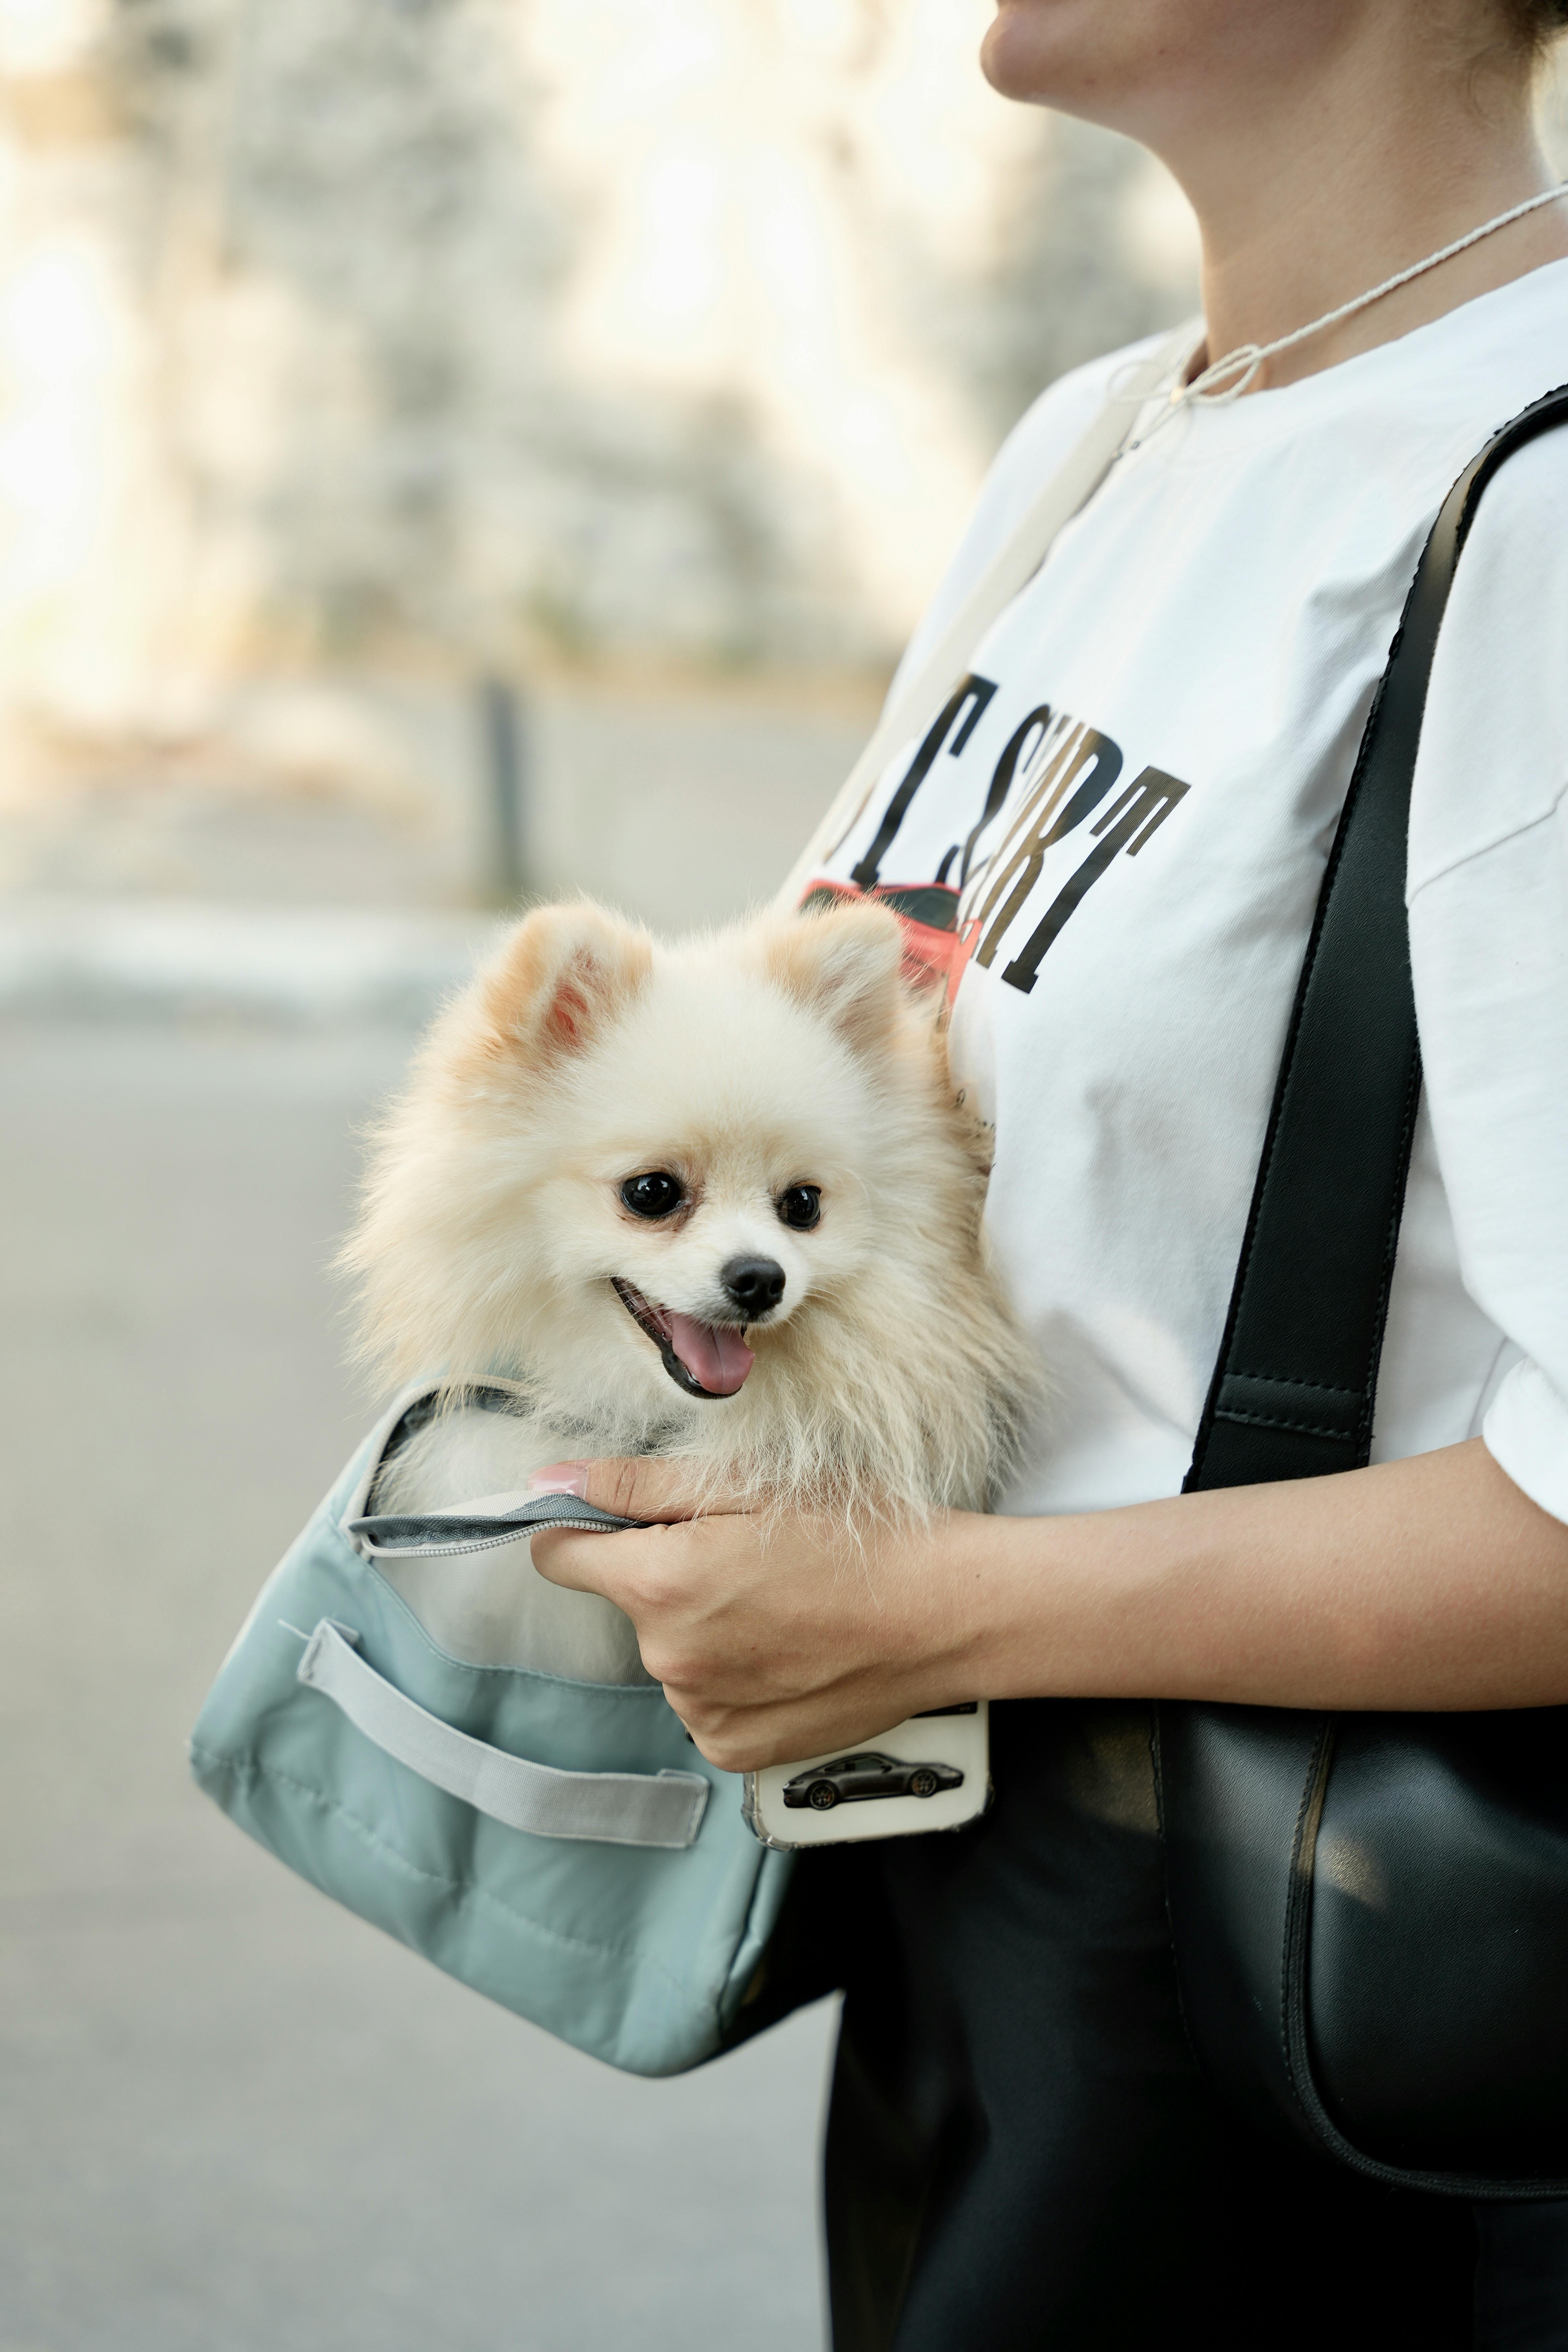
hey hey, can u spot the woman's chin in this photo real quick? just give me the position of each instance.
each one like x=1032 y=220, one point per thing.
x=1082 y=57
x=1028 y=53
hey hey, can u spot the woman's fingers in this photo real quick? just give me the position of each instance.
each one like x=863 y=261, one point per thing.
x=632 y=1487
x=611 y=1565
x=639 y=1488
x=746 y=1740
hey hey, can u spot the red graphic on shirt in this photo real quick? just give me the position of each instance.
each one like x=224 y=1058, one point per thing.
x=927 y=912
x=1050 y=777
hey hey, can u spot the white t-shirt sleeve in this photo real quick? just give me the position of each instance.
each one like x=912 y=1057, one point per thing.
x=1489 y=927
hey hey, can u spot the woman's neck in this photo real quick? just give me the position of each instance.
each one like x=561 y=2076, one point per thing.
x=1323 y=192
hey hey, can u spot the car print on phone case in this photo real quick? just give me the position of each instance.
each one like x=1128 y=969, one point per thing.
x=849 y=1779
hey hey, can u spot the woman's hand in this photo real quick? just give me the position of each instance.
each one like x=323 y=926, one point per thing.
x=774 y=1638
x=1431 y=1582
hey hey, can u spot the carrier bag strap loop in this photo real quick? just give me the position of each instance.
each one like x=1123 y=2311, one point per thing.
x=663 y=1808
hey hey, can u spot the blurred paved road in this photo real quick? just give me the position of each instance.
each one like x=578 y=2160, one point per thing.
x=232 y=2117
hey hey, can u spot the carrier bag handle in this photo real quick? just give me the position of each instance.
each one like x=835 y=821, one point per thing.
x=915 y=701
x=662 y=1808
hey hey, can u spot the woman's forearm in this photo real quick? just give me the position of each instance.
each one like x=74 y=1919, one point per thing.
x=1433 y=1583
x=1430 y=1582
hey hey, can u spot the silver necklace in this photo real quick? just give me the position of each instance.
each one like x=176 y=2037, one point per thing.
x=1227 y=379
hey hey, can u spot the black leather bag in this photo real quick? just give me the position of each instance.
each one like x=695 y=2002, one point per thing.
x=1370 y=1911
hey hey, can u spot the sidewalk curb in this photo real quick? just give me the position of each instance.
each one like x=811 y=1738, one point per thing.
x=162 y=959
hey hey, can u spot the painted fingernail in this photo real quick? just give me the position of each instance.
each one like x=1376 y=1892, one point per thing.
x=561 y=1479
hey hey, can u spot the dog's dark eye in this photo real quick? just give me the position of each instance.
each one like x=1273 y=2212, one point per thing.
x=654 y=1195
x=800 y=1206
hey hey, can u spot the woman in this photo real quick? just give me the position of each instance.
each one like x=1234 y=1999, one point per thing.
x=1021 y=2153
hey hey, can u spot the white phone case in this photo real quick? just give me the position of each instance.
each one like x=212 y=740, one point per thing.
x=786 y=1805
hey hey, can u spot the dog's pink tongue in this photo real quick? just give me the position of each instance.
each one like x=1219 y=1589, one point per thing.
x=719 y=1360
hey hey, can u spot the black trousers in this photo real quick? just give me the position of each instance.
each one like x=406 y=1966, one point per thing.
x=1021 y=2154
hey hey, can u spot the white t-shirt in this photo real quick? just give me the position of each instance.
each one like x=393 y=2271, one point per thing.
x=1190 y=671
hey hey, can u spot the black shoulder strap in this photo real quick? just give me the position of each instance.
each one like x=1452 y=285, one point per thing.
x=1293 y=1390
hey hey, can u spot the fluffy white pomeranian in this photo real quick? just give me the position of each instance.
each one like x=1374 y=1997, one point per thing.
x=713 y=1201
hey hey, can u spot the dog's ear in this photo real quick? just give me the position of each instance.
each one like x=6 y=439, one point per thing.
x=845 y=965
x=562 y=978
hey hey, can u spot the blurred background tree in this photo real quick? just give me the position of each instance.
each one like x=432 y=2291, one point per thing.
x=547 y=330
x=641 y=354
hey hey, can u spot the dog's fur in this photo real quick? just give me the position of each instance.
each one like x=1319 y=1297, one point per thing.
x=890 y=1378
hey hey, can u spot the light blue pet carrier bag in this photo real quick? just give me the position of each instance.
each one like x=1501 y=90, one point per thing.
x=559 y=1845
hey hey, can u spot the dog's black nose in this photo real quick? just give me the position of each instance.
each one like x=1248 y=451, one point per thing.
x=756 y=1285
